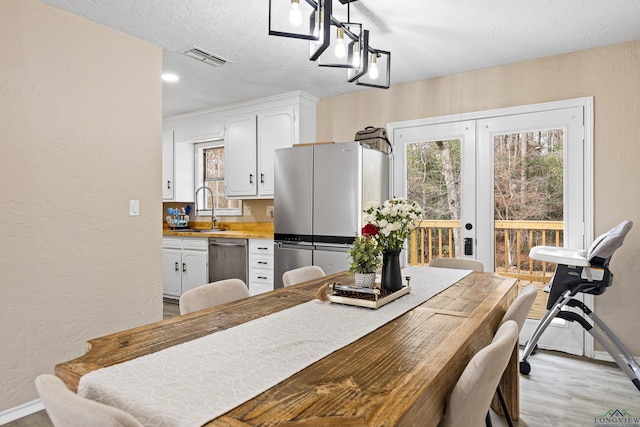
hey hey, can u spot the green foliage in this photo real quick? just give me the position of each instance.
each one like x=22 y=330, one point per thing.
x=528 y=176
x=365 y=255
x=426 y=182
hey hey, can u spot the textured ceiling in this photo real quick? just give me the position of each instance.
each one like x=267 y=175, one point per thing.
x=427 y=38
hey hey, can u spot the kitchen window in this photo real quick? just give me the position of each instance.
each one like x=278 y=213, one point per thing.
x=209 y=169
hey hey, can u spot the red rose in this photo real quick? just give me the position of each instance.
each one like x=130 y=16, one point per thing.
x=369 y=230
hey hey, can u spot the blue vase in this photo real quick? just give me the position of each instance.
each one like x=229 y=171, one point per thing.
x=391 y=275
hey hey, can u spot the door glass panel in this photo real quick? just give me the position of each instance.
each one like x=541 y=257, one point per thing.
x=433 y=181
x=528 y=204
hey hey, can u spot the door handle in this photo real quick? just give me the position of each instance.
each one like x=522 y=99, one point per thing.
x=184 y=267
x=468 y=246
x=177 y=266
x=250 y=178
x=168 y=185
x=261 y=178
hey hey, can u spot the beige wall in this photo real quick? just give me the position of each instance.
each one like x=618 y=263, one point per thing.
x=610 y=74
x=80 y=123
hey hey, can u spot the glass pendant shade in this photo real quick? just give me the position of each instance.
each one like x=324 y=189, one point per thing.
x=379 y=73
x=293 y=18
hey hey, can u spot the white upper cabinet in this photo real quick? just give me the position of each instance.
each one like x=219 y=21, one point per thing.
x=240 y=167
x=252 y=137
x=249 y=146
x=276 y=129
x=251 y=132
x=168 y=183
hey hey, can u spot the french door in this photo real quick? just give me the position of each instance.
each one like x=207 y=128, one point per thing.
x=511 y=179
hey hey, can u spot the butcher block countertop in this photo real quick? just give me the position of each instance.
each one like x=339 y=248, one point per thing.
x=234 y=230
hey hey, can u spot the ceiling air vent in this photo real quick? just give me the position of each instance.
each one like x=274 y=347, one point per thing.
x=204 y=56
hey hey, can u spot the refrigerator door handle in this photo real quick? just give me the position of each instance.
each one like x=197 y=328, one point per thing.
x=299 y=245
x=332 y=247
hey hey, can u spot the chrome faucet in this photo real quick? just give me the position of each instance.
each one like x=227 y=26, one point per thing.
x=213 y=208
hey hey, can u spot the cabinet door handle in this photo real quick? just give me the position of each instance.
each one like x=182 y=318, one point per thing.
x=169 y=185
x=250 y=178
x=184 y=267
x=262 y=277
x=177 y=267
x=261 y=178
x=263 y=249
x=263 y=262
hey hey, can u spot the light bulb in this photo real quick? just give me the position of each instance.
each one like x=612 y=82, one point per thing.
x=373 y=67
x=319 y=35
x=295 y=14
x=341 y=50
x=356 y=55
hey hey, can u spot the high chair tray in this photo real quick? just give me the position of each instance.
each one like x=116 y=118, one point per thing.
x=559 y=255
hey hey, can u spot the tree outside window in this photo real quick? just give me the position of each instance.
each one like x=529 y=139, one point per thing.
x=210 y=172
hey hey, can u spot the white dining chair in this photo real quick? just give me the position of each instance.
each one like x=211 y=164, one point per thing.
x=459 y=263
x=65 y=408
x=212 y=294
x=469 y=401
x=518 y=312
x=302 y=274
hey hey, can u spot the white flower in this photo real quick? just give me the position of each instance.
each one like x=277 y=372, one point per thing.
x=395 y=219
x=372 y=205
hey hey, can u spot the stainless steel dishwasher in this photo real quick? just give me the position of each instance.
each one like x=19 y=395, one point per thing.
x=227 y=259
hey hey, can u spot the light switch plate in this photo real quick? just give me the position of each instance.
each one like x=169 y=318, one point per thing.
x=247 y=210
x=270 y=211
x=134 y=207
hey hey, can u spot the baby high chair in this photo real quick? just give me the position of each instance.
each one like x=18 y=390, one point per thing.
x=587 y=272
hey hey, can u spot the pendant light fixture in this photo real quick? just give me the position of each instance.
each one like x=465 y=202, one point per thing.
x=331 y=42
x=379 y=73
x=358 y=55
x=344 y=36
x=292 y=18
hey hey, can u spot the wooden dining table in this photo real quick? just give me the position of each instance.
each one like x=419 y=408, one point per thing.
x=398 y=375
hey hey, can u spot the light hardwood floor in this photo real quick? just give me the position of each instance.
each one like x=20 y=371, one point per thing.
x=560 y=391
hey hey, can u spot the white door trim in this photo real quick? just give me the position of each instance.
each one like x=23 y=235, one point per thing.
x=394 y=130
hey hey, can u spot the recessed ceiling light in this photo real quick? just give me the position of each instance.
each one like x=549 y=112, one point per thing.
x=168 y=77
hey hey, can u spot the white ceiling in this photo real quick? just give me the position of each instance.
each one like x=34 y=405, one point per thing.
x=427 y=38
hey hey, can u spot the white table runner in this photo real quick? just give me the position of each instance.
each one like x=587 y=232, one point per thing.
x=197 y=381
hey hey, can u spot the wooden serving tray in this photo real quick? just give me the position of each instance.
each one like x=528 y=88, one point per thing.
x=363 y=297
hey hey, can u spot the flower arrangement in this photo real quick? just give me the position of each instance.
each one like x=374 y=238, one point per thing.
x=365 y=252
x=394 y=220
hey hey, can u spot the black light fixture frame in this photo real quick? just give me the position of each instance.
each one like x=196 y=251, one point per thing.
x=353 y=37
x=364 y=59
x=387 y=71
x=323 y=9
x=316 y=5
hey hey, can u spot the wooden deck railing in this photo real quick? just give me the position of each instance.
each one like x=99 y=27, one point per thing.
x=512 y=241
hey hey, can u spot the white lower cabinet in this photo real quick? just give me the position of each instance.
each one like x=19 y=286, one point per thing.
x=260 y=266
x=185 y=265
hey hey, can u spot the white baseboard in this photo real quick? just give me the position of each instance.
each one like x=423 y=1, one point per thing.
x=603 y=355
x=18 y=412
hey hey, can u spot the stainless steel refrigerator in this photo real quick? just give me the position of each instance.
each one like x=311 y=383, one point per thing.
x=320 y=191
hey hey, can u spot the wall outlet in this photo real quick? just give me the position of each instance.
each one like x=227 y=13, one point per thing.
x=246 y=210
x=270 y=211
